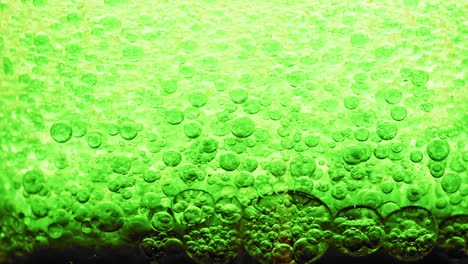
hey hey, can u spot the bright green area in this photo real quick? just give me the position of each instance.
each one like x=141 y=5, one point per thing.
x=191 y=125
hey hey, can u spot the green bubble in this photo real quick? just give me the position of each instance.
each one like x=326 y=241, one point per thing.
x=228 y=210
x=33 y=181
x=150 y=200
x=74 y=18
x=312 y=140
x=132 y=53
x=438 y=149
x=114 y=185
x=197 y=99
x=121 y=165
x=113 y=129
x=355 y=154
x=361 y=134
x=419 y=77
x=162 y=221
x=109 y=217
x=271 y=47
x=55 y=230
x=392 y=96
x=238 y=95
x=110 y=23
x=40 y=3
x=187 y=71
x=359 y=39
x=398 y=113
x=436 y=169
x=413 y=193
x=151 y=176
x=169 y=86
x=89 y=79
x=39 y=207
x=128 y=131
x=275 y=114
x=41 y=40
x=244 y=179
x=339 y=192
x=384 y=52
x=116 y=2
x=363 y=118
x=174 y=116
x=242 y=127
x=189 y=173
x=83 y=195
x=61 y=132
x=192 y=112
x=386 y=130
x=79 y=128
x=94 y=140
x=192 y=130
x=302 y=166
x=426 y=107
x=172 y=158
x=252 y=106
x=451 y=182
x=416 y=156
x=7 y=66
x=410 y=3
x=209 y=145
x=277 y=167
x=250 y=164
x=295 y=78
x=188 y=45
x=229 y=161
x=381 y=151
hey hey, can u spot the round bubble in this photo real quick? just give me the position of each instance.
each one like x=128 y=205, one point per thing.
x=61 y=132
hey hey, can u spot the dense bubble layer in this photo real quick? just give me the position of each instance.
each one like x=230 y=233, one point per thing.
x=213 y=130
x=410 y=233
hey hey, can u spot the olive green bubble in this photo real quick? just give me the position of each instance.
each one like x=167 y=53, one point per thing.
x=109 y=217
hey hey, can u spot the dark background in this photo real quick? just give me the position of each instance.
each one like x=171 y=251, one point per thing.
x=134 y=255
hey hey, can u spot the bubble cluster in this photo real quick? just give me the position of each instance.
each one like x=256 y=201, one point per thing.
x=452 y=238
x=358 y=231
x=192 y=207
x=287 y=227
x=411 y=233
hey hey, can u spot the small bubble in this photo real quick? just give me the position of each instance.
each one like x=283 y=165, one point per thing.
x=174 y=116
x=172 y=158
x=451 y=182
x=40 y=3
x=242 y=127
x=386 y=130
x=419 y=77
x=359 y=39
x=392 y=96
x=128 y=131
x=238 y=96
x=197 y=99
x=229 y=161
x=94 y=140
x=61 y=132
x=132 y=53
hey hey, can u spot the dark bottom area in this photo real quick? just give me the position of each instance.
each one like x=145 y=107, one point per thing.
x=134 y=255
